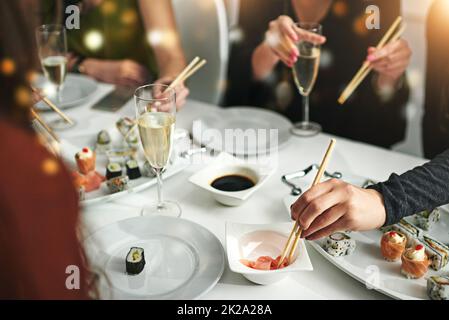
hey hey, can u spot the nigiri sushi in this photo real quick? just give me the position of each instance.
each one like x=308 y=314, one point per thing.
x=392 y=245
x=415 y=262
x=85 y=160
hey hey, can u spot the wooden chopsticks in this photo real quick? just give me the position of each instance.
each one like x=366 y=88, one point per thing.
x=188 y=71
x=54 y=107
x=295 y=234
x=389 y=36
x=44 y=125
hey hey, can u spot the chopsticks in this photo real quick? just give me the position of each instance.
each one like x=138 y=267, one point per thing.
x=188 y=71
x=53 y=106
x=365 y=69
x=44 y=125
x=295 y=234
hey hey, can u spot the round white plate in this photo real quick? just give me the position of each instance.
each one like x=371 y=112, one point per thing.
x=261 y=131
x=183 y=259
x=366 y=264
x=77 y=90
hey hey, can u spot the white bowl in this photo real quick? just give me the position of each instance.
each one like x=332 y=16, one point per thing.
x=250 y=241
x=226 y=164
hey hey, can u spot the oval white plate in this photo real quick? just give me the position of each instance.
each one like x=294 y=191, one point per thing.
x=244 y=118
x=77 y=90
x=183 y=259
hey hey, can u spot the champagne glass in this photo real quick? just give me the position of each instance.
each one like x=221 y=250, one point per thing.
x=52 y=49
x=156 y=115
x=305 y=72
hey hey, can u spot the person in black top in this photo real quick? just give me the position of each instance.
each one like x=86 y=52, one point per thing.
x=374 y=114
x=436 y=108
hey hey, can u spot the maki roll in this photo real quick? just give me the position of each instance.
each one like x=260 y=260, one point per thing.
x=135 y=260
x=148 y=171
x=132 y=169
x=409 y=230
x=118 y=184
x=113 y=170
x=132 y=140
x=103 y=142
x=339 y=244
x=437 y=252
x=438 y=287
x=85 y=160
x=124 y=125
x=427 y=219
x=392 y=245
x=415 y=262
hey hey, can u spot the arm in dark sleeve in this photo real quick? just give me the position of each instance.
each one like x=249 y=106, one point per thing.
x=423 y=188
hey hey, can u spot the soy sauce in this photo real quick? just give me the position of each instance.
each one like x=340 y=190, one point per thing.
x=233 y=182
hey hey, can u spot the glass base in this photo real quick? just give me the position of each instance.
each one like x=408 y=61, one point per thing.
x=168 y=209
x=61 y=125
x=305 y=129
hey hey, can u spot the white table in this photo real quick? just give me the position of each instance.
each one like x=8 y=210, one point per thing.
x=265 y=206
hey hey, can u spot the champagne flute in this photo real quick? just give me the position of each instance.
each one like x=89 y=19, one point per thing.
x=156 y=116
x=52 y=49
x=305 y=72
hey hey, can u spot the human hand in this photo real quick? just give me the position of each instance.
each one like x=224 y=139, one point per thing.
x=335 y=205
x=282 y=37
x=390 y=62
x=181 y=91
x=126 y=73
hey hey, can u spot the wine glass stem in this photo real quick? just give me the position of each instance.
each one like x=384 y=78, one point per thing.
x=305 y=109
x=160 y=203
x=58 y=93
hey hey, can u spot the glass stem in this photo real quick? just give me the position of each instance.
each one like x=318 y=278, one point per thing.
x=160 y=201
x=58 y=93
x=305 y=109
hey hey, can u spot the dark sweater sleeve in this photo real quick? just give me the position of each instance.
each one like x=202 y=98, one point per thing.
x=422 y=188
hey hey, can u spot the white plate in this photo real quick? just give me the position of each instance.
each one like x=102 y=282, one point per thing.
x=69 y=149
x=183 y=259
x=77 y=90
x=366 y=264
x=257 y=121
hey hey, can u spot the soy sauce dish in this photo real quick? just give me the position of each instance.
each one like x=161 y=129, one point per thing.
x=231 y=181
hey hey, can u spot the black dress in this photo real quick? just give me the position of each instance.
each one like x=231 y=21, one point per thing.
x=436 y=107
x=365 y=116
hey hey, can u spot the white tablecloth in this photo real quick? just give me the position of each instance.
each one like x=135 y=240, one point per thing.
x=265 y=206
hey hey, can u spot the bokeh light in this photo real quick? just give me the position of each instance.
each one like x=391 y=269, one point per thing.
x=50 y=166
x=340 y=9
x=22 y=96
x=108 y=7
x=161 y=38
x=93 y=40
x=129 y=17
x=7 y=66
x=359 y=26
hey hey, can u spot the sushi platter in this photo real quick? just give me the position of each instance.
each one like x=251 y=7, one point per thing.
x=388 y=260
x=112 y=164
x=155 y=257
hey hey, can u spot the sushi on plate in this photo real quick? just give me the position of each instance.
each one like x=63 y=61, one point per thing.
x=90 y=182
x=412 y=232
x=438 y=252
x=415 y=262
x=124 y=125
x=85 y=160
x=132 y=169
x=392 y=245
x=438 y=287
x=339 y=244
x=103 y=142
x=118 y=184
x=113 y=170
x=135 y=260
x=427 y=218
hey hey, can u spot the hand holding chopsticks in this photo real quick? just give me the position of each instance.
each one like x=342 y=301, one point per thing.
x=392 y=35
x=295 y=235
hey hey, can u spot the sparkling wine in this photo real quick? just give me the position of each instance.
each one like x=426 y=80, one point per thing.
x=305 y=70
x=55 y=68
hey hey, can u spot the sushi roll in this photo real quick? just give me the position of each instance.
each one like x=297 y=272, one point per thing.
x=132 y=169
x=409 y=230
x=85 y=160
x=124 y=125
x=135 y=260
x=438 y=287
x=415 y=262
x=339 y=244
x=81 y=193
x=427 y=219
x=148 y=171
x=392 y=245
x=118 y=184
x=103 y=142
x=438 y=252
x=113 y=170
x=133 y=140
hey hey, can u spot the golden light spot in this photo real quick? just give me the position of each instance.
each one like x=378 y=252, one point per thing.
x=7 y=66
x=359 y=26
x=93 y=40
x=50 y=166
x=129 y=17
x=31 y=76
x=22 y=96
x=340 y=9
x=161 y=38
x=108 y=7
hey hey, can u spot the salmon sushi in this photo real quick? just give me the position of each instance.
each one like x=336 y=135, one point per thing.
x=85 y=160
x=415 y=262
x=392 y=245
